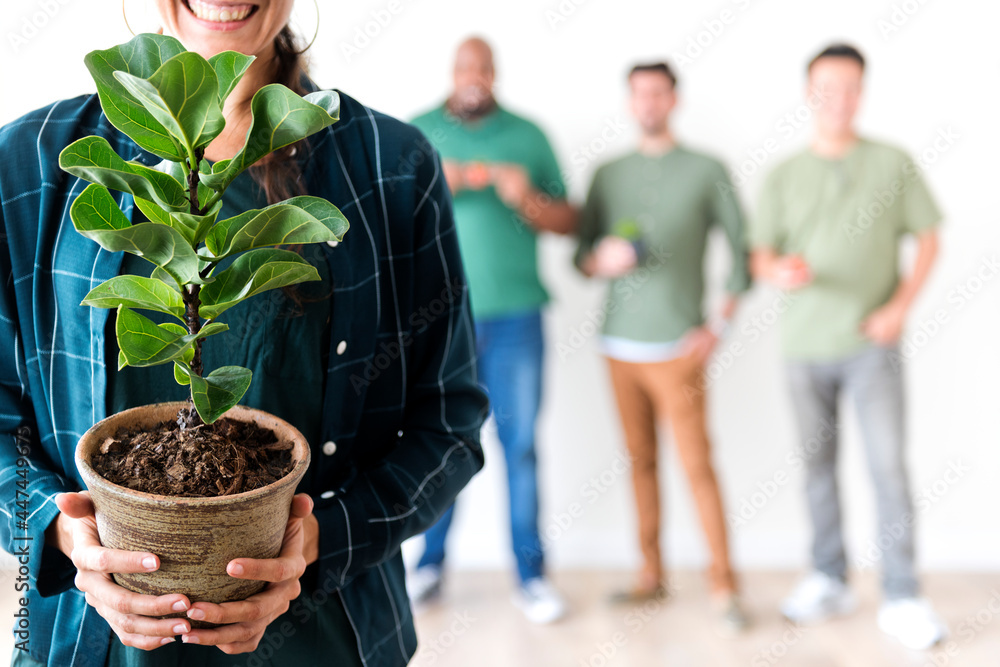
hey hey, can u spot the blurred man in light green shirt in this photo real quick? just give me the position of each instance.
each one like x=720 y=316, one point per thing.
x=828 y=227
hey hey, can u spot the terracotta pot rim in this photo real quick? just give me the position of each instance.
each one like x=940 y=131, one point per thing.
x=91 y=477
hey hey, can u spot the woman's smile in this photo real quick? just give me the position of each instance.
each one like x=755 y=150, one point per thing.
x=220 y=15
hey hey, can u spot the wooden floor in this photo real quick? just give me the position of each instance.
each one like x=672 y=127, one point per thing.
x=476 y=626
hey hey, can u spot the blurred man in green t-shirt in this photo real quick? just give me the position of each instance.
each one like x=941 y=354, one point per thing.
x=828 y=228
x=507 y=187
x=645 y=227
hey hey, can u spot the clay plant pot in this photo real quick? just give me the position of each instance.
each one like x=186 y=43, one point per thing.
x=195 y=538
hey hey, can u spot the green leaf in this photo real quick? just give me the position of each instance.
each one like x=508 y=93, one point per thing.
x=122 y=362
x=195 y=228
x=179 y=330
x=165 y=278
x=182 y=366
x=93 y=159
x=295 y=220
x=229 y=66
x=183 y=96
x=280 y=118
x=252 y=273
x=152 y=212
x=141 y=57
x=145 y=343
x=136 y=292
x=182 y=372
x=221 y=390
x=96 y=215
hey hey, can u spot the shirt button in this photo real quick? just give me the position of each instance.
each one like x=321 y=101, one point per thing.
x=332 y=244
x=341 y=347
x=329 y=448
x=326 y=494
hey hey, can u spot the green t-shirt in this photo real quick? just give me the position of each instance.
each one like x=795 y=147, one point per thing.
x=845 y=217
x=499 y=250
x=668 y=203
x=285 y=346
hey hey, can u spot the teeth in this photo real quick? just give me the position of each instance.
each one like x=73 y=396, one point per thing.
x=213 y=13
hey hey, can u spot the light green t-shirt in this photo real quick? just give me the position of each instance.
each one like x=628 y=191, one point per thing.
x=669 y=204
x=499 y=250
x=845 y=217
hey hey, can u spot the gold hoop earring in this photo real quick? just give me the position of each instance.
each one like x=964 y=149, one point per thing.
x=126 y=19
x=315 y=34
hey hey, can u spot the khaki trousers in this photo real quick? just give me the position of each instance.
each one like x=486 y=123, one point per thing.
x=648 y=393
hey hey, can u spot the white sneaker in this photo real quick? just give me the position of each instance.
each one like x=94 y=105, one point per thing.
x=817 y=598
x=424 y=585
x=539 y=601
x=913 y=622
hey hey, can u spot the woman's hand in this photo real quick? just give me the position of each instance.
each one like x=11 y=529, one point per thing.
x=248 y=619
x=74 y=532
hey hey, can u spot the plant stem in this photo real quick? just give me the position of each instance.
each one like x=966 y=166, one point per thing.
x=193 y=184
x=192 y=303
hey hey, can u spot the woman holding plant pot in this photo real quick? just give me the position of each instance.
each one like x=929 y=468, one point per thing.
x=373 y=364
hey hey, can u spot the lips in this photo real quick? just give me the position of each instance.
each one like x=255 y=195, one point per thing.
x=220 y=12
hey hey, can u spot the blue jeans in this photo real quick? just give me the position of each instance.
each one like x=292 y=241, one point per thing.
x=509 y=353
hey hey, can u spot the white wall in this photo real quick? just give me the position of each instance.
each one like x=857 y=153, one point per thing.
x=936 y=73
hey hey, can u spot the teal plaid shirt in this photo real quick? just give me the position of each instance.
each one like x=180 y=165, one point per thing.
x=401 y=401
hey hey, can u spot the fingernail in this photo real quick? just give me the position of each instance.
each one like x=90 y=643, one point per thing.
x=196 y=614
x=236 y=569
x=166 y=640
x=180 y=605
x=149 y=563
x=180 y=628
x=190 y=639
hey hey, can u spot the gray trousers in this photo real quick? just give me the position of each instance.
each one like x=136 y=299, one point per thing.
x=875 y=389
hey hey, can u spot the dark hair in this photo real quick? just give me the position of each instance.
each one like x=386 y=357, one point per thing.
x=661 y=67
x=838 y=51
x=280 y=174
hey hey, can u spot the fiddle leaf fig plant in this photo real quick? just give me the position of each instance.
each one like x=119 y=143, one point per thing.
x=169 y=102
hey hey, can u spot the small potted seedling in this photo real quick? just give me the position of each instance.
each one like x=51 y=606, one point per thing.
x=629 y=230
x=202 y=481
